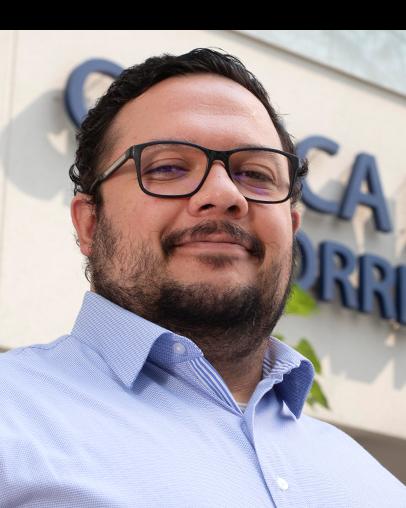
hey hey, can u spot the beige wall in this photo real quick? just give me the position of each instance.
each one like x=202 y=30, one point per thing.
x=41 y=279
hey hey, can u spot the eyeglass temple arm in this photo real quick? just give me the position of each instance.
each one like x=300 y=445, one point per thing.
x=113 y=167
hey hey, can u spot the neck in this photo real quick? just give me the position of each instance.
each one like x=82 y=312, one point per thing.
x=241 y=376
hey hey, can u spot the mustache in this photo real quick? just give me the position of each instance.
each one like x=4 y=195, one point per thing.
x=256 y=246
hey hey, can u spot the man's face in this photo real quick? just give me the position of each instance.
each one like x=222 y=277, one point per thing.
x=146 y=249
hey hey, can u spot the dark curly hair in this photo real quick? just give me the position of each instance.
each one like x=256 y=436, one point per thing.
x=93 y=139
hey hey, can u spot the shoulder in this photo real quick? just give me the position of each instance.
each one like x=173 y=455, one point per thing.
x=24 y=368
x=331 y=437
x=22 y=357
x=348 y=455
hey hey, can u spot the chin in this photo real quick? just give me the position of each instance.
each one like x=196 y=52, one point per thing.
x=219 y=277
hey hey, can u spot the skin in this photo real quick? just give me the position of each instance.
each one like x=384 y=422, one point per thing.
x=218 y=113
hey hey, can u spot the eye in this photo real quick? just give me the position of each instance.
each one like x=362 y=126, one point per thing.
x=165 y=172
x=256 y=178
x=254 y=174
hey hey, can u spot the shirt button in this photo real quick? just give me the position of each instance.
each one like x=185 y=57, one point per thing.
x=282 y=484
x=179 y=348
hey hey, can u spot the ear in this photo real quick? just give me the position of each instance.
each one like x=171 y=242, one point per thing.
x=84 y=219
x=296 y=220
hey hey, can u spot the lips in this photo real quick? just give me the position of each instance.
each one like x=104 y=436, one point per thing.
x=215 y=238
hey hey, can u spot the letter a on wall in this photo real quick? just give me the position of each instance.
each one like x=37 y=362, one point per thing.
x=365 y=170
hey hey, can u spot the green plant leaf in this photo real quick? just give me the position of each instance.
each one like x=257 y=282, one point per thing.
x=316 y=396
x=306 y=349
x=300 y=302
x=303 y=304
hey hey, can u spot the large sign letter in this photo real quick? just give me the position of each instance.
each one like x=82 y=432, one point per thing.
x=365 y=170
x=330 y=273
x=74 y=99
x=308 y=197
x=382 y=288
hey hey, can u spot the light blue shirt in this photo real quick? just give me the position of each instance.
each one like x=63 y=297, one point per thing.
x=123 y=413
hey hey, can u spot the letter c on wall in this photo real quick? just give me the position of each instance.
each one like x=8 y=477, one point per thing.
x=74 y=97
x=308 y=197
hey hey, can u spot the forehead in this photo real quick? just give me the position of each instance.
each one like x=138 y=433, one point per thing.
x=206 y=109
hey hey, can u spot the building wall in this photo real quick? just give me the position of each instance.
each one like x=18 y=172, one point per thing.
x=41 y=269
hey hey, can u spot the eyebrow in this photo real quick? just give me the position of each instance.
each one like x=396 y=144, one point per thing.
x=193 y=141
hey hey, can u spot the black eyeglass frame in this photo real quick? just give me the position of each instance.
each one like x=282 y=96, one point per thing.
x=135 y=151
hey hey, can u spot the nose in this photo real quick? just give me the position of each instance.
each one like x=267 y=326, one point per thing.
x=218 y=196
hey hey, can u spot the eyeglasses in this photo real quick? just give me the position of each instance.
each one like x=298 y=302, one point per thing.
x=177 y=169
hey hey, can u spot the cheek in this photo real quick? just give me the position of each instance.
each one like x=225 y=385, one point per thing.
x=146 y=218
x=274 y=224
x=275 y=231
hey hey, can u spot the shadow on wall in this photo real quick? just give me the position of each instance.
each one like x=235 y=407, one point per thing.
x=39 y=148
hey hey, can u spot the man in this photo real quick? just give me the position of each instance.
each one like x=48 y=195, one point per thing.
x=170 y=391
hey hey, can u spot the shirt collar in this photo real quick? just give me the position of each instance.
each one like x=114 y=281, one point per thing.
x=292 y=373
x=125 y=341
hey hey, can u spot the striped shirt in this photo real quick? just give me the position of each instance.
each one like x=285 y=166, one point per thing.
x=122 y=413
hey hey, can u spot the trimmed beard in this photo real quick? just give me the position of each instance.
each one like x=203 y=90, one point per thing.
x=227 y=323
